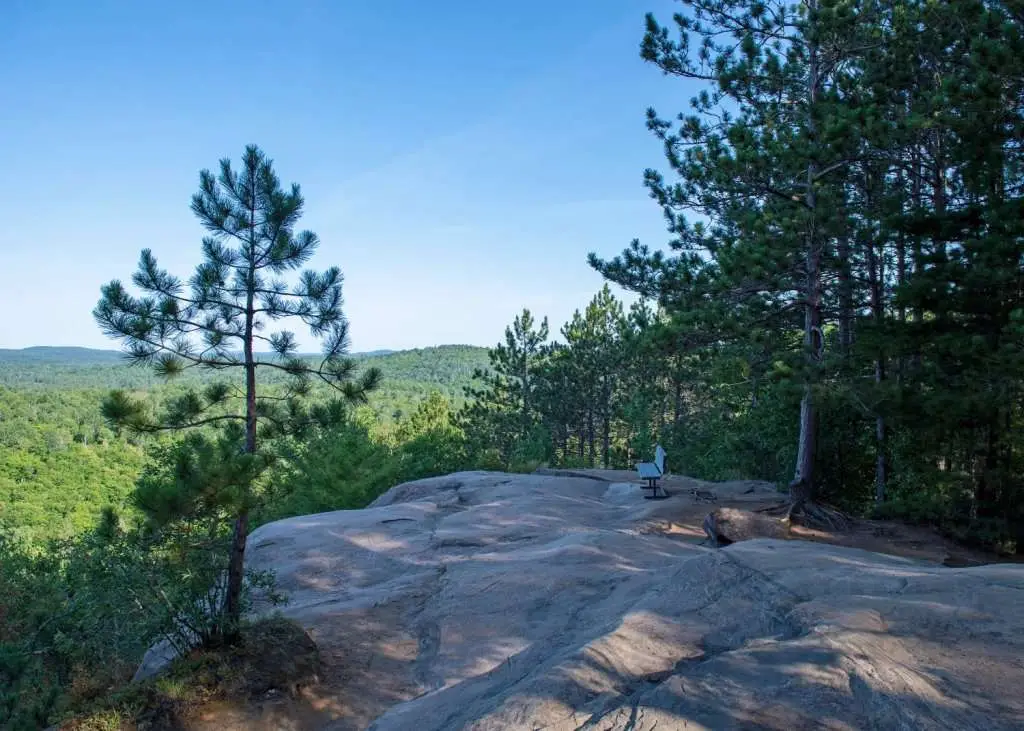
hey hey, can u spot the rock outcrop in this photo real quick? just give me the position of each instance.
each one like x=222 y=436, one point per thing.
x=729 y=525
x=489 y=601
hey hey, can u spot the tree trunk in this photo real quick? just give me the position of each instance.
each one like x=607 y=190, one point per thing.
x=591 y=437
x=985 y=491
x=804 y=477
x=236 y=562
x=606 y=426
x=881 y=433
x=803 y=480
x=917 y=253
x=881 y=441
x=607 y=437
x=236 y=575
x=876 y=284
x=526 y=397
x=901 y=280
x=677 y=400
x=845 y=300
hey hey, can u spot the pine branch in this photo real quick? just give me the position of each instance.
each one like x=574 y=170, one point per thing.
x=154 y=428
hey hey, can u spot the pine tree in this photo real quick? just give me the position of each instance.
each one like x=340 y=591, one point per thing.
x=761 y=163
x=560 y=402
x=594 y=341
x=964 y=216
x=215 y=321
x=640 y=383
x=503 y=410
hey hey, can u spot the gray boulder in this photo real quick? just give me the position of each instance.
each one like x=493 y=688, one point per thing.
x=730 y=525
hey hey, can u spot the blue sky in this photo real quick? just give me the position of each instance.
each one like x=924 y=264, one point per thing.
x=459 y=159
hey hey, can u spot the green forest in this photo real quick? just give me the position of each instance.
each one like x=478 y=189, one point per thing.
x=837 y=308
x=61 y=463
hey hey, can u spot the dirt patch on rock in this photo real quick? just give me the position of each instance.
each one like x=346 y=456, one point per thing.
x=682 y=517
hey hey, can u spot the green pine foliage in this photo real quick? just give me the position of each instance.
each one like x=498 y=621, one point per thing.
x=501 y=415
x=840 y=307
x=351 y=464
x=216 y=321
x=844 y=201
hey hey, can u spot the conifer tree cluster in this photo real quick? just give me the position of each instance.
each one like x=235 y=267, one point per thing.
x=584 y=399
x=840 y=307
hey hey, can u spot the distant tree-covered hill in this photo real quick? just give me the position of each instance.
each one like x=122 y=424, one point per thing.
x=60 y=463
x=447 y=368
x=42 y=354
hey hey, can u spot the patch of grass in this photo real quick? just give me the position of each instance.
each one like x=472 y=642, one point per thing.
x=273 y=654
x=111 y=720
x=173 y=688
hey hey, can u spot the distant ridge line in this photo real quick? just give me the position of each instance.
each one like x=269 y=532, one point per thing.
x=78 y=354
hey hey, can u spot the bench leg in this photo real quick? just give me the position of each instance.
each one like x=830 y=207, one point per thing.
x=652 y=485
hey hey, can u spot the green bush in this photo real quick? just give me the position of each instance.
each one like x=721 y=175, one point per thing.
x=342 y=468
x=74 y=627
x=79 y=614
x=944 y=501
x=347 y=466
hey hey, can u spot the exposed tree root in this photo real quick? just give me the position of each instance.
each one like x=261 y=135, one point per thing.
x=810 y=515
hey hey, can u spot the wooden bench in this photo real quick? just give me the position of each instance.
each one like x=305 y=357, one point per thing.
x=652 y=472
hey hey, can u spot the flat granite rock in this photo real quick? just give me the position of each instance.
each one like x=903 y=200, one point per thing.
x=490 y=601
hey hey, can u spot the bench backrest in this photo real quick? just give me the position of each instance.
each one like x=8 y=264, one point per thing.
x=659 y=459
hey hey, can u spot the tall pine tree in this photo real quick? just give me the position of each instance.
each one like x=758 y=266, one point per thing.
x=758 y=206
x=216 y=321
x=502 y=412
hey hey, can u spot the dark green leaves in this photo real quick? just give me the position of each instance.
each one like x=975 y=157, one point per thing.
x=236 y=289
x=168 y=365
x=121 y=410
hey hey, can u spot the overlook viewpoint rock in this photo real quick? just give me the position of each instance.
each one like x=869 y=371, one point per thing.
x=491 y=601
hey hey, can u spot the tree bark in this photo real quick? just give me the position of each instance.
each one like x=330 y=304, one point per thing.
x=677 y=407
x=901 y=280
x=845 y=300
x=876 y=284
x=526 y=395
x=917 y=252
x=591 y=437
x=803 y=480
x=881 y=441
x=607 y=437
x=804 y=477
x=606 y=427
x=236 y=562
x=881 y=432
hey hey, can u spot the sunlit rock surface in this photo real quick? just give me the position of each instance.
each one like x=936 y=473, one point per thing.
x=493 y=601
